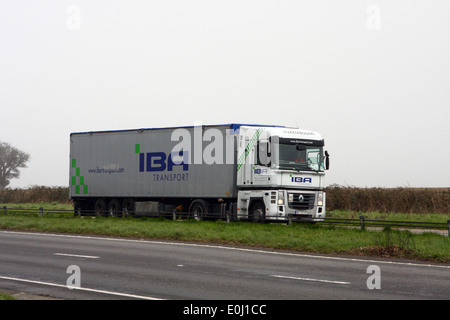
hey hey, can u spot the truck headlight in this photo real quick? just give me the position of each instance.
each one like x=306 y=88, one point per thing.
x=320 y=199
x=280 y=198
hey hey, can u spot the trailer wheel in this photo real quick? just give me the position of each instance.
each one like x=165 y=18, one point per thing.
x=77 y=209
x=114 y=208
x=128 y=207
x=198 y=209
x=258 y=212
x=100 y=207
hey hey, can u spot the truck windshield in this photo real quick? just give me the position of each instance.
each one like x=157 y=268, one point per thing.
x=300 y=157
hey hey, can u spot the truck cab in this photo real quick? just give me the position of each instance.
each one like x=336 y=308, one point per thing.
x=280 y=174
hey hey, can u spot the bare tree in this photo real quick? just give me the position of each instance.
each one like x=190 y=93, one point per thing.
x=11 y=159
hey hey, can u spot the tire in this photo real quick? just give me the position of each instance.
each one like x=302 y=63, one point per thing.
x=100 y=207
x=114 y=208
x=198 y=210
x=82 y=208
x=77 y=209
x=258 y=212
x=128 y=207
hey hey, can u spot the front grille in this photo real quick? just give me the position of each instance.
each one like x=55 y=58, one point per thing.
x=301 y=201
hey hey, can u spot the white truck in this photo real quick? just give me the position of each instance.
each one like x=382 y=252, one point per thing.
x=254 y=172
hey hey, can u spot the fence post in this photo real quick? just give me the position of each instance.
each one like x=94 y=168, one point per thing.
x=174 y=215
x=79 y=211
x=41 y=211
x=4 y=209
x=362 y=222
x=448 y=227
x=228 y=217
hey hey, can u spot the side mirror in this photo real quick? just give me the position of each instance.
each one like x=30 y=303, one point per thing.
x=327 y=160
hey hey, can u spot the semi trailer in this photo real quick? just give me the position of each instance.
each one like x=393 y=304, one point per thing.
x=254 y=172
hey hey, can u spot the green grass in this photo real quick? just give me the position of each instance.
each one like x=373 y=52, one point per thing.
x=36 y=205
x=6 y=297
x=296 y=237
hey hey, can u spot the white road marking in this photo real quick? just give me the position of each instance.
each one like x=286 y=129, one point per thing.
x=81 y=289
x=75 y=255
x=309 y=279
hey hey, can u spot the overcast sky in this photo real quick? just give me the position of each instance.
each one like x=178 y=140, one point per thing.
x=372 y=76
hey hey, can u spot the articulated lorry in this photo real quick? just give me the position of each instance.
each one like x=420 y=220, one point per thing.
x=254 y=172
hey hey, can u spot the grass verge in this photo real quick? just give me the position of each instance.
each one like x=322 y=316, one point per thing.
x=6 y=297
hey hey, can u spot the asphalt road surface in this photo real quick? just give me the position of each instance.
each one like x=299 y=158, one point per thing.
x=80 y=267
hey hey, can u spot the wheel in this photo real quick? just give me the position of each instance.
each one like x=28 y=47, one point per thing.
x=128 y=207
x=258 y=212
x=198 y=210
x=100 y=207
x=77 y=209
x=114 y=208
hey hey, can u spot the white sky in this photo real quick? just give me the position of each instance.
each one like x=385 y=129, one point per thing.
x=372 y=76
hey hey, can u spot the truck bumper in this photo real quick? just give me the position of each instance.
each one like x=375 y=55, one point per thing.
x=302 y=205
x=297 y=205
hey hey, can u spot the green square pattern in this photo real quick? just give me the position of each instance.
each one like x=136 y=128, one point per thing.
x=80 y=181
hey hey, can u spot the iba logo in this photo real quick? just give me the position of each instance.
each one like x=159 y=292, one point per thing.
x=301 y=179
x=159 y=161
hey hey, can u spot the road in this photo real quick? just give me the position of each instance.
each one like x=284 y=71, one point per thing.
x=110 y=268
